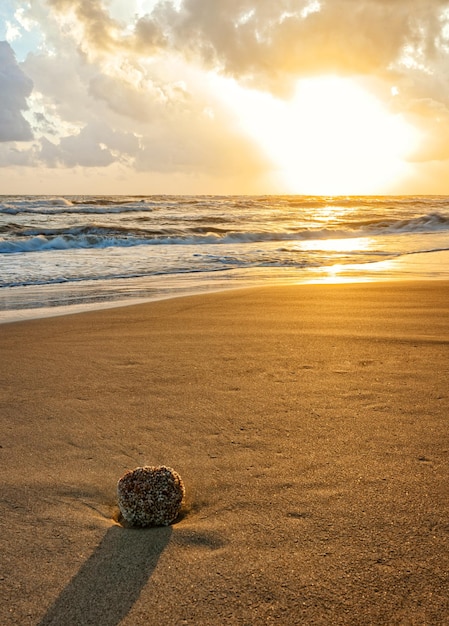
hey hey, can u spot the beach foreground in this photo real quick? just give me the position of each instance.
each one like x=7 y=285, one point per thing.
x=310 y=426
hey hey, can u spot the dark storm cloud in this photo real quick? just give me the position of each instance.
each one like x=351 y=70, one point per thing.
x=15 y=87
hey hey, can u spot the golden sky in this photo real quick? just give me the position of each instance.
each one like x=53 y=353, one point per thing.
x=224 y=96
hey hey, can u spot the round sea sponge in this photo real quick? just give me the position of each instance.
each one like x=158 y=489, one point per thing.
x=150 y=496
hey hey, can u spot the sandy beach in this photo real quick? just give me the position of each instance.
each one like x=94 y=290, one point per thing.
x=309 y=424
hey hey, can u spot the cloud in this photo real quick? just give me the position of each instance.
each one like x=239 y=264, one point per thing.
x=432 y=119
x=97 y=25
x=130 y=88
x=96 y=145
x=15 y=87
x=269 y=44
x=125 y=99
x=96 y=109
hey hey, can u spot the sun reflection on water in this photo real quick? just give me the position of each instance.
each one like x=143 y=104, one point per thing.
x=355 y=273
x=338 y=245
x=337 y=249
x=331 y=212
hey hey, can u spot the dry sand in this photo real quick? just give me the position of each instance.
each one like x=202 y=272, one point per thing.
x=310 y=426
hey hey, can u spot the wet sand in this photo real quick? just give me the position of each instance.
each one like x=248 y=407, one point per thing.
x=310 y=426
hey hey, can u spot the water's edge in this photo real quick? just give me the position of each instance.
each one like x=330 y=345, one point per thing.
x=412 y=267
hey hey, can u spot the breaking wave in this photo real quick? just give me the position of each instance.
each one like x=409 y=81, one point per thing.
x=18 y=239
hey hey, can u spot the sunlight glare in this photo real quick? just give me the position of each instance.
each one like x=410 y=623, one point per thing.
x=333 y=137
x=338 y=245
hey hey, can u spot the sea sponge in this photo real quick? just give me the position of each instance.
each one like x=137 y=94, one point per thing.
x=150 y=496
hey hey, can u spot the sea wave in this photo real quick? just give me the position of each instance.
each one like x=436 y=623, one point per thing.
x=16 y=238
x=430 y=222
x=74 y=209
x=208 y=264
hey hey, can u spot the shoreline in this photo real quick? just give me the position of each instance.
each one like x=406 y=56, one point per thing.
x=308 y=422
x=412 y=267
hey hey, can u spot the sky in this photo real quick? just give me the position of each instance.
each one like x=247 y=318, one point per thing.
x=224 y=97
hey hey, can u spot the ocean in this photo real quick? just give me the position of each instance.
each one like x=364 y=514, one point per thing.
x=59 y=254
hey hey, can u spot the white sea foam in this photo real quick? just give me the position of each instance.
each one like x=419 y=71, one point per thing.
x=85 y=236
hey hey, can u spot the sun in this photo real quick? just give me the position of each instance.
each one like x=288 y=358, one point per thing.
x=333 y=137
